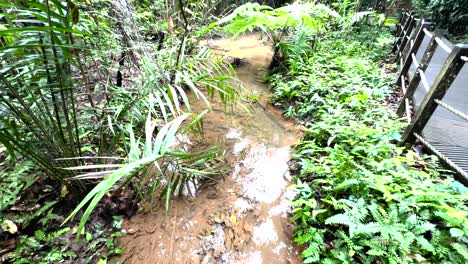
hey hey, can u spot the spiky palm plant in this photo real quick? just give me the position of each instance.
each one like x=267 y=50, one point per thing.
x=173 y=166
x=170 y=166
x=37 y=54
x=42 y=76
x=45 y=118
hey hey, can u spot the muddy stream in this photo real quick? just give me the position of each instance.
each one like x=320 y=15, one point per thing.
x=241 y=217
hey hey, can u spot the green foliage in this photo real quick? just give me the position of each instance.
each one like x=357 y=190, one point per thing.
x=176 y=167
x=57 y=246
x=43 y=101
x=297 y=48
x=253 y=16
x=445 y=14
x=59 y=125
x=62 y=110
x=37 y=96
x=362 y=199
x=14 y=186
x=149 y=14
x=307 y=20
x=202 y=75
x=43 y=248
x=13 y=182
x=304 y=95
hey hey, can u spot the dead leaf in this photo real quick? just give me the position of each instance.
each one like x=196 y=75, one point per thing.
x=74 y=11
x=245 y=238
x=75 y=15
x=132 y=231
x=12 y=228
x=63 y=191
x=410 y=157
x=233 y=219
x=228 y=243
x=229 y=235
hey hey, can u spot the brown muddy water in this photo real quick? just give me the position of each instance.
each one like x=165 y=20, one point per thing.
x=243 y=216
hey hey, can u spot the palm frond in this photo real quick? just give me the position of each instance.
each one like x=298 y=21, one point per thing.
x=36 y=77
x=176 y=168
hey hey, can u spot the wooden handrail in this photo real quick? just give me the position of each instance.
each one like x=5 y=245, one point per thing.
x=442 y=83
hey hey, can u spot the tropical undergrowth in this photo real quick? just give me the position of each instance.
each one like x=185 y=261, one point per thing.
x=450 y=16
x=361 y=198
x=93 y=120
x=277 y=23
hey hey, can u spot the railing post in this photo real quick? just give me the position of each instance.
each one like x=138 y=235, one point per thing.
x=401 y=34
x=405 y=37
x=419 y=36
x=401 y=22
x=404 y=24
x=418 y=31
x=447 y=75
x=428 y=54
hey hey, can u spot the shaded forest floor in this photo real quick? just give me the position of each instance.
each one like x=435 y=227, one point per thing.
x=243 y=216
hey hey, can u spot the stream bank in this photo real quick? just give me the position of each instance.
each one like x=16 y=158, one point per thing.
x=243 y=216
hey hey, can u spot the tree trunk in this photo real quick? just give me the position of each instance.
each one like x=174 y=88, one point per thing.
x=131 y=39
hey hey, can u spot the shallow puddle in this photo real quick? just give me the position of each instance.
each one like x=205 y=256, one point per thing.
x=242 y=217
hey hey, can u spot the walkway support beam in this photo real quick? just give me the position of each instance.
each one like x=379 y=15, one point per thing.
x=419 y=36
x=414 y=83
x=404 y=39
x=442 y=83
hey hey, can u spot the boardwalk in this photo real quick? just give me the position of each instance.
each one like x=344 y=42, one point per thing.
x=445 y=130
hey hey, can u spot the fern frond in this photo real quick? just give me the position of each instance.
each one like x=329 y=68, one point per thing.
x=461 y=249
x=40 y=235
x=375 y=252
x=424 y=227
x=450 y=219
x=376 y=214
x=405 y=245
x=312 y=253
x=368 y=229
x=58 y=233
x=328 y=261
x=347 y=184
x=426 y=245
x=412 y=220
x=341 y=219
x=380 y=241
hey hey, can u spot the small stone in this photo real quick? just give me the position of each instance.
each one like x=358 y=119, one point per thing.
x=12 y=227
x=132 y=231
x=206 y=259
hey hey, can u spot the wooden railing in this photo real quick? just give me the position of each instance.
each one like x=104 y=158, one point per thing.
x=410 y=34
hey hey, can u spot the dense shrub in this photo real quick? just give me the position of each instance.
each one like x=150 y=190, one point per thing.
x=361 y=198
x=446 y=14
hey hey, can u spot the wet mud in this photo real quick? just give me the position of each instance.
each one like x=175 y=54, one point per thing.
x=241 y=217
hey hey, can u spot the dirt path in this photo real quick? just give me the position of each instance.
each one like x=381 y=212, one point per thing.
x=242 y=217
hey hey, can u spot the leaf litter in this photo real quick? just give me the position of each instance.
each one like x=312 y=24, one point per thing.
x=242 y=217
